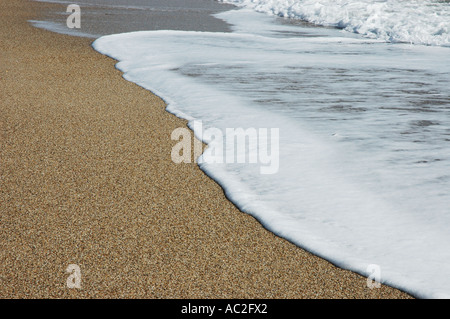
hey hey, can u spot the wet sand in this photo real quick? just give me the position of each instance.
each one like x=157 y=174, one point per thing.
x=102 y=17
x=87 y=179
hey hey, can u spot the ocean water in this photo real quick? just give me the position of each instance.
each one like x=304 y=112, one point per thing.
x=362 y=176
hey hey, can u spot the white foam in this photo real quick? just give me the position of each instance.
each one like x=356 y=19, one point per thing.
x=355 y=185
x=412 y=21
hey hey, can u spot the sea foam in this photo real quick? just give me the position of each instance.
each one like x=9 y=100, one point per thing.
x=412 y=21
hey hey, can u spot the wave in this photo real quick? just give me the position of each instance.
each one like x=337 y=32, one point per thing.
x=425 y=22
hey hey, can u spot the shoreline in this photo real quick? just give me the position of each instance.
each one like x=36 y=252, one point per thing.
x=84 y=183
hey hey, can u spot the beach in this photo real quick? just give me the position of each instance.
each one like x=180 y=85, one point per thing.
x=87 y=179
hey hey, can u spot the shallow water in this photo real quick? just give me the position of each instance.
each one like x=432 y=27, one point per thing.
x=102 y=17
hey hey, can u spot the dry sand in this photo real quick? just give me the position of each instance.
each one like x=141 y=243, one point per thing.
x=86 y=178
